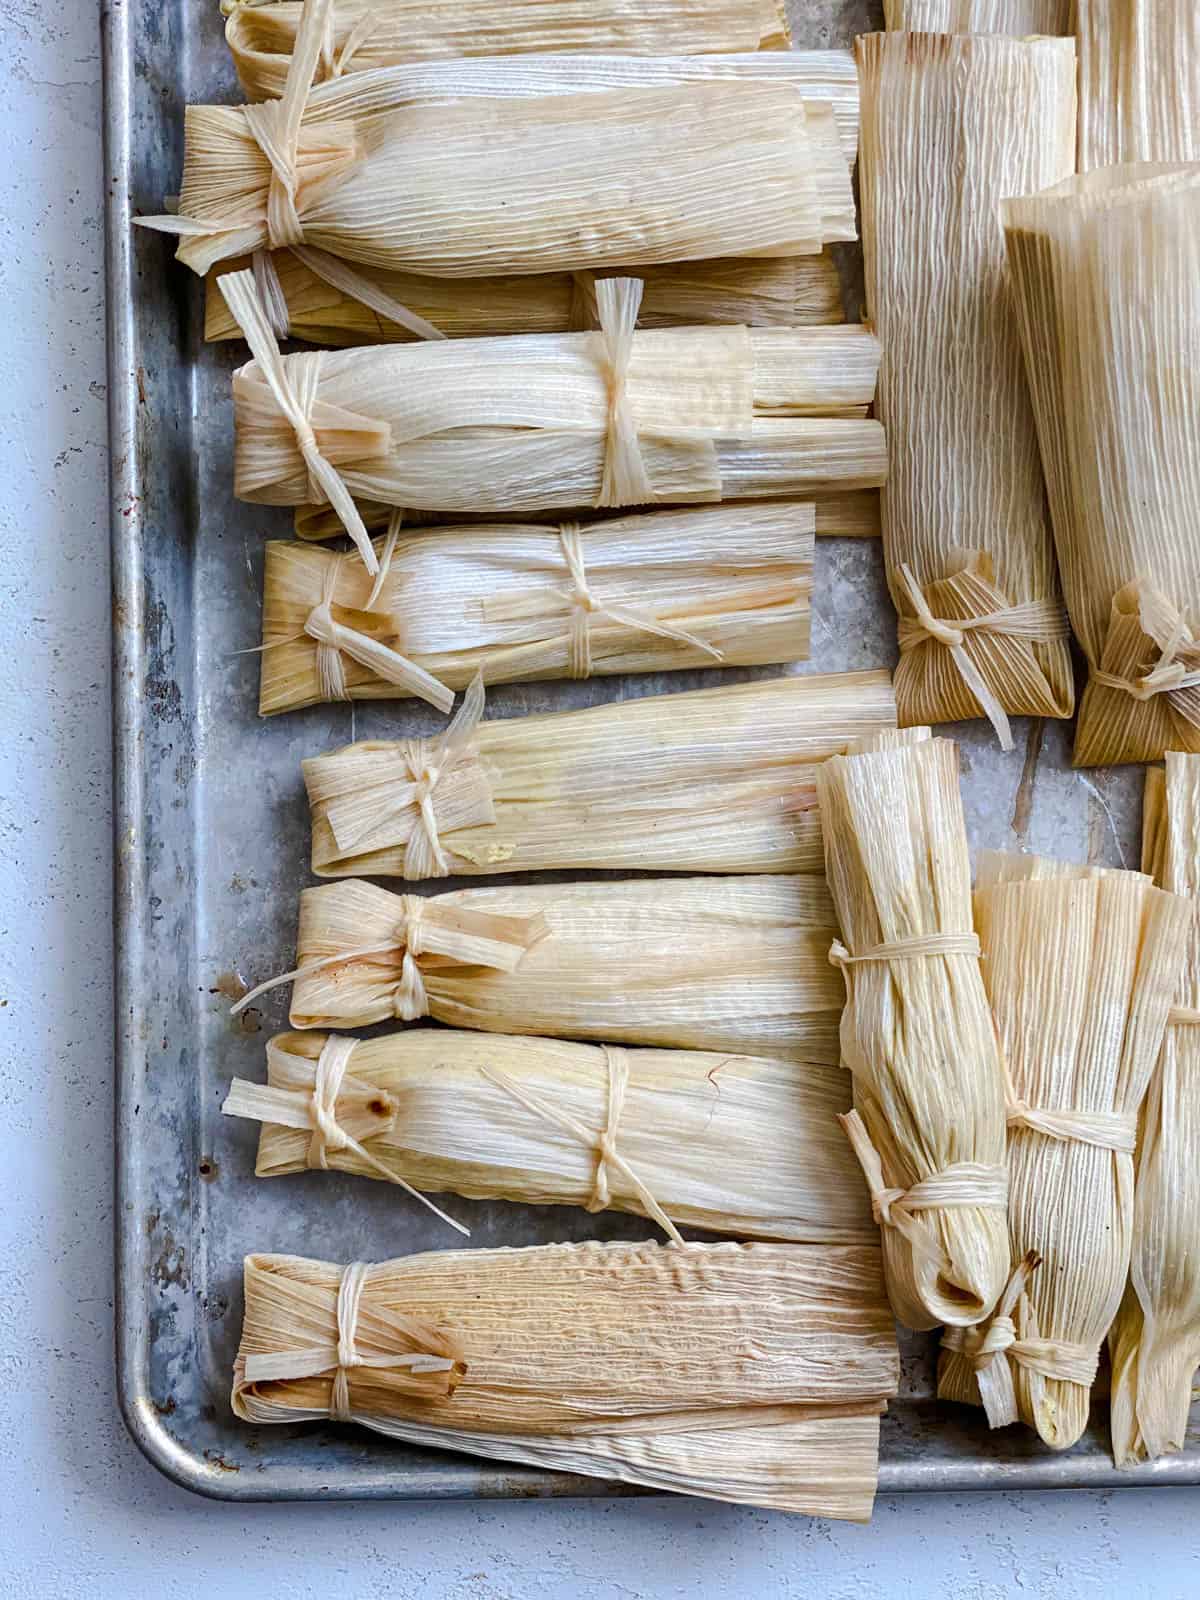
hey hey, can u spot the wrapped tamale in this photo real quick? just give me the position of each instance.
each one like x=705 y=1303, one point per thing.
x=1016 y=17
x=928 y=1119
x=1106 y=272
x=366 y=34
x=1081 y=966
x=736 y=964
x=1139 y=81
x=951 y=125
x=715 y=780
x=732 y=1144
x=751 y=1373
x=1155 y=1342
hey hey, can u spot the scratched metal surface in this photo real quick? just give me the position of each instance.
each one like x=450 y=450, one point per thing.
x=212 y=850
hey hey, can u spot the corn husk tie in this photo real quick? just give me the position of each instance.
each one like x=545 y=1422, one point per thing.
x=1142 y=619
x=985 y=1345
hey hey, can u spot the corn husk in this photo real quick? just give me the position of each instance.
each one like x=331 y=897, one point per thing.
x=1106 y=270
x=261 y=34
x=584 y=1358
x=951 y=125
x=1081 y=966
x=732 y=1144
x=916 y=1033
x=1155 y=1342
x=1139 y=81
x=715 y=780
x=1016 y=17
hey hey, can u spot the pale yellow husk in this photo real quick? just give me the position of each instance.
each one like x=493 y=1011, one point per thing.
x=1155 y=1342
x=750 y=1373
x=729 y=1143
x=1081 y=966
x=1139 y=81
x=1106 y=270
x=916 y=1033
x=950 y=126
x=1016 y=17
x=715 y=780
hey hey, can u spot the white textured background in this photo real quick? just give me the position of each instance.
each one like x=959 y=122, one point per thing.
x=80 y=1513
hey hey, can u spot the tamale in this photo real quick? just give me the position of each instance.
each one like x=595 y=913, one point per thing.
x=951 y=125
x=1155 y=1342
x=1106 y=270
x=1139 y=81
x=715 y=780
x=928 y=1123
x=735 y=964
x=1081 y=966
x=722 y=585
x=1016 y=17
x=732 y=1144
x=367 y=34
x=750 y=1373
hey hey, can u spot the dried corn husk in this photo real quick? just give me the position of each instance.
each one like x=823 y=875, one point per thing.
x=950 y=126
x=716 y=780
x=1016 y=17
x=1081 y=966
x=1139 y=81
x=1155 y=1341
x=582 y=1357
x=676 y=589
x=368 y=34
x=916 y=1035
x=733 y=1144
x=1106 y=270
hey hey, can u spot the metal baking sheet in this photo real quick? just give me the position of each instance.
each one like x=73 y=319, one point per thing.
x=212 y=846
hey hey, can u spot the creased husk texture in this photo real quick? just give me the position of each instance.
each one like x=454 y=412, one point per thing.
x=950 y=126
x=1155 y=1342
x=1106 y=269
x=729 y=1143
x=741 y=1372
x=1139 y=81
x=1016 y=17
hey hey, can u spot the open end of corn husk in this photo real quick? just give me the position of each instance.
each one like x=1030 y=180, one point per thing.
x=1139 y=81
x=950 y=126
x=1016 y=17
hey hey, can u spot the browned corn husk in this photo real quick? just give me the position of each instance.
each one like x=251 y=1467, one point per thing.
x=1106 y=271
x=261 y=34
x=741 y=1372
x=951 y=125
x=732 y=1144
x=715 y=780
x=1081 y=966
x=916 y=1033
x=1155 y=1342
x=1016 y=17
x=1139 y=81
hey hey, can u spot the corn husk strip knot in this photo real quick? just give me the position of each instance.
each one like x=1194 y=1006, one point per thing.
x=986 y=1347
x=928 y=944
x=1106 y=1130
x=1178 y=665
x=961 y=1185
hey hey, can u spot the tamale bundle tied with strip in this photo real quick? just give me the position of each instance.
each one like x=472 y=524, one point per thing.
x=752 y=1373
x=715 y=780
x=1082 y=965
x=1139 y=81
x=950 y=126
x=726 y=585
x=1155 y=1342
x=916 y=1034
x=732 y=1144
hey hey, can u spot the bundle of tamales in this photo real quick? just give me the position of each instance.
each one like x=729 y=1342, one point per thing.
x=734 y=1144
x=716 y=780
x=1081 y=966
x=676 y=589
x=367 y=34
x=1155 y=1341
x=1106 y=271
x=1139 y=81
x=928 y=1123
x=736 y=964
x=950 y=126
x=1016 y=17
x=752 y=1373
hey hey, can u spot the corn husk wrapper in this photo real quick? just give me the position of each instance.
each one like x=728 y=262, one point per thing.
x=916 y=1033
x=715 y=780
x=261 y=34
x=1139 y=81
x=1081 y=966
x=1015 y=17
x=584 y=1358
x=951 y=125
x=732 y=1144
x=1106 y=270
x=1155 y=1342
